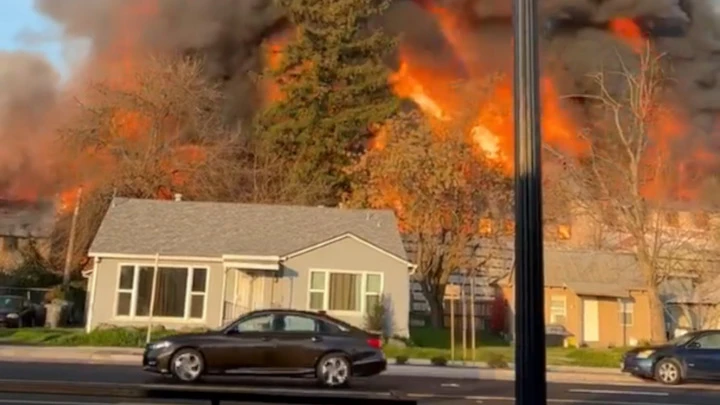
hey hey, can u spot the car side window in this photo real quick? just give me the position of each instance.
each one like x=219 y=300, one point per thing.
x=260 y=323
x=709 y=341
x=296 y=323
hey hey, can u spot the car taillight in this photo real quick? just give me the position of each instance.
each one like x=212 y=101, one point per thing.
x=374 y=342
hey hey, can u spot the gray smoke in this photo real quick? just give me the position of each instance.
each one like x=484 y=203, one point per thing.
x=228 y=33
x=29 y=87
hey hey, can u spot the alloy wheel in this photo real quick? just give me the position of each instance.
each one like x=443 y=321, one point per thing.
x=668 y=373
x=187 y=366
x=335 y=371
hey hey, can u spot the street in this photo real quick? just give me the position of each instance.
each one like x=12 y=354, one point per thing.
x=426 y=390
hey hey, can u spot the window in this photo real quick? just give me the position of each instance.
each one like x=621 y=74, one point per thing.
x=708 y=341
x=626 y=312
x=179 y=292
x=344 y=291
x=672 y=219
x=294 y=323
x=260 y=323
x=373 y=291
x=701 y=220
x=558 y=311
x=9 y=243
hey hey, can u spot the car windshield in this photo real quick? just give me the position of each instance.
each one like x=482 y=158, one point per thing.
x=681 y=340
x=11 y=303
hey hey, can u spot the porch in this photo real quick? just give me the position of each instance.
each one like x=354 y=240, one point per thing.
x=248 y=285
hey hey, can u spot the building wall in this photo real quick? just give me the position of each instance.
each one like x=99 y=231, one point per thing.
x=610 y=329
x=292 y=289
x=106 y=296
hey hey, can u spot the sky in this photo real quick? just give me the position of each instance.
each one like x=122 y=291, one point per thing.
x=19 y=21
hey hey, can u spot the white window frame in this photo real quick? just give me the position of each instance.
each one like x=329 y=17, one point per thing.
x=188 y=293
x=626 y=306
x=558 y=298
x=326 y=289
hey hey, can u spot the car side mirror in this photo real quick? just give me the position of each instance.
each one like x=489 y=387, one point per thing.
x=694 y=345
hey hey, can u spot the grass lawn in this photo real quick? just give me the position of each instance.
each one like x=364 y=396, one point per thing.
x=425 y=343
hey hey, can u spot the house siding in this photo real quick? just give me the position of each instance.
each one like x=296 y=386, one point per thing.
x=107 y=273
x=347 y=254
x=610 y=330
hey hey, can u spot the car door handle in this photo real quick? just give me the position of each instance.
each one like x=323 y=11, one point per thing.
x=267 y=339
x=316 y=339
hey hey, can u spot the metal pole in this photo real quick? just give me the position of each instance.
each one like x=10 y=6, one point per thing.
x=452 y=328
x=473 y=321
x=530 y=384
x=71 y=239
x=463 y=305
x=153 y=291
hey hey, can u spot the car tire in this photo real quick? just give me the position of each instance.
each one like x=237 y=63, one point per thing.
x=333 y=371
x=668 y=372
x=187 y=365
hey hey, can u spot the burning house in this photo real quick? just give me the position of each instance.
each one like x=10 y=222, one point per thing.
x=24 y=225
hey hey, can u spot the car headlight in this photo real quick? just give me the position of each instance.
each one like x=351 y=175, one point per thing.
x=160 y=345
x=12 y=316
x=645 y=354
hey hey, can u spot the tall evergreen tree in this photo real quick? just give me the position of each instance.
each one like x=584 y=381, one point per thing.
x=333 y=81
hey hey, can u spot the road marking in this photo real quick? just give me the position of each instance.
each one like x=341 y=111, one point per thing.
x=451 y=385
x=480 y=399
x=616 y=392
x=37 y=402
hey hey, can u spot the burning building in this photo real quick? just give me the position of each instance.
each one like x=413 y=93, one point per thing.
x=25 y=225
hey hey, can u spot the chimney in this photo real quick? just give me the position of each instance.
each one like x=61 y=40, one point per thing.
x=178 y=197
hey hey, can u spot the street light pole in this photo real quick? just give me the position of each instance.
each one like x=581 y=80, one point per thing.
x=530 y=384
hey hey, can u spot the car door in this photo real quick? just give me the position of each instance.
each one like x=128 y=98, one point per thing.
x=702 y=356
x=245 y=345
x=299 y=342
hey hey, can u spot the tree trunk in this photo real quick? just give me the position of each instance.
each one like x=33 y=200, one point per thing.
x=437 y=309
x=658 y=333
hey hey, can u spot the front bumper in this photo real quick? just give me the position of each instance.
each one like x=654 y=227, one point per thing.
x=6 y=322
x=157 y=361
x=638 y=367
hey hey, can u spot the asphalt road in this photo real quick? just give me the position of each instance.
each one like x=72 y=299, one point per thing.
x=436 y=391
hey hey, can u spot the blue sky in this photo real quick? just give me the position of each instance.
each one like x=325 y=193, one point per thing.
x=18 y=18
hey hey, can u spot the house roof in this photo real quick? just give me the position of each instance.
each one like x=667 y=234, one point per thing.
x=594 y=273
x=23 y=219
x=213 y=229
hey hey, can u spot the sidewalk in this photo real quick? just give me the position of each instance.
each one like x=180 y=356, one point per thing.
x=414 y=367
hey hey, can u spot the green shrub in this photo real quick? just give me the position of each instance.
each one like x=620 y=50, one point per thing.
x=439 y=361
x=402 y=359
x=497 y=360
x=375 y=319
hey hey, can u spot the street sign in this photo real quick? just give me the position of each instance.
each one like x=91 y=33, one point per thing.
x=452 y=292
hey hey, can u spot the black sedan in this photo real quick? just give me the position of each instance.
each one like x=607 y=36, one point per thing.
x=693 y=356
x=16 y=312
x=281 y=343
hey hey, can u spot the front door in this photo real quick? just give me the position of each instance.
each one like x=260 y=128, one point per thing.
x=591 y=321
x=299 y=342
x=247 y=345
x=702 y=356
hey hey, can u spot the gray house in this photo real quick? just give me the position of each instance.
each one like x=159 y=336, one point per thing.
x=206 y=263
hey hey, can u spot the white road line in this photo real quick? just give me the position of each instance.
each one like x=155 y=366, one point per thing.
x=616 y=392
x=479 y=399
x=37 y=402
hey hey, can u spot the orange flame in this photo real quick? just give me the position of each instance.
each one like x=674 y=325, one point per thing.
x=629 y=32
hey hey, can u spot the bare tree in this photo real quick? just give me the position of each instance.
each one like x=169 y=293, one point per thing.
x=157 y=131
x=440 y=187
x=624 y=183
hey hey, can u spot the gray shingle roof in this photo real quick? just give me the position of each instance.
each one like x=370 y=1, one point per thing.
x=27 y=220
x=212 y=229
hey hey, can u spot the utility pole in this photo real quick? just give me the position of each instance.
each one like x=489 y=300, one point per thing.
x=530 y=383
x=71 y=240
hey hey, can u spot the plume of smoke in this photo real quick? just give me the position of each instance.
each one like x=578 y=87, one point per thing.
x=227 y=33
x=29 y=89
